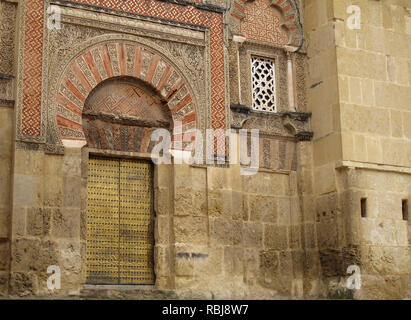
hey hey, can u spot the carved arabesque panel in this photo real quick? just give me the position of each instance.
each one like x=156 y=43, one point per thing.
x=7 y=28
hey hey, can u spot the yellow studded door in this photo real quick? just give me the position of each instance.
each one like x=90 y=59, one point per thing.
x=136 y=223
x=120 y=240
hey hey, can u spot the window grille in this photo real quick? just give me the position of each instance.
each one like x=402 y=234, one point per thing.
x=263 y=84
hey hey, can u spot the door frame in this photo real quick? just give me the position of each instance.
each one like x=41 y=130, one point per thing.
x=163 y=244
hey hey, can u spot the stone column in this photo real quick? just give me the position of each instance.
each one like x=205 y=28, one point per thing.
x=239 y=40
x=290 y=78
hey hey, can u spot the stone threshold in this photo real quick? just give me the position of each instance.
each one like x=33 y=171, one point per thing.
x=118 y=287
x=131 y=292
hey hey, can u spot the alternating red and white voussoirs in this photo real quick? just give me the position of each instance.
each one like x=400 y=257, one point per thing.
x=115 y=59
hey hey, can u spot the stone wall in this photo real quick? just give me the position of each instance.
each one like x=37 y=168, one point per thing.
x=6 y=134
x=235 y=236
x=374 y=79
x=218 y=234
x=358 y=93
x=8 y=14
x=378 y=243
x=47 y=228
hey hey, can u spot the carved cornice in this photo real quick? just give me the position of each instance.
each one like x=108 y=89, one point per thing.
x=201 y=6
x=287 y=124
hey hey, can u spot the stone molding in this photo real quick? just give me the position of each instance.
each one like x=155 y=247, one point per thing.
x=286 y=124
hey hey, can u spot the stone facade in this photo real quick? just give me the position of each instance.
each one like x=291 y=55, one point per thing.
x=334 y=159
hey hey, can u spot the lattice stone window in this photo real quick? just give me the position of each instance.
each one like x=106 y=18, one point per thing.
x=263 y=84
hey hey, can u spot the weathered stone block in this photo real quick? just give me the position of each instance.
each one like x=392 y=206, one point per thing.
x=225 y=232
x=4 y=255
x=23 y=284
x=4 y=222
x=382 y=261
x=184 y=265
x=263 y=208
x=218 y=178
x=162 y=260
x=269 y=263
x=220 y=203
x=183 y=202
x=4 y=284
x=351 y=255
x=70 y=191
x=162 y=201
x=65 y=223
x=33 y=255
x=72 y=162
x=19 y=221
x=295 y=211
x=162 y=229
x=275 y=237
x=24 y=190
x=325 y=179
x=327 y=234
x=53 y=194
x=309 y=240
x=162 y=175
x=284 y=211
x=311 y=264
x=70 y=259
x=199 y=203
x=233 y=261
x=182 y=176
x=295 y=237
x=252 y=234
x=381 y=287
x=251 y=266
x=286 y=263
x=331 y=263
x=198 y=178
x=237 y=205
x=208 y=264
x=270 y=274
x=38 y=221
x=53 y=165
x=190 y=230
x=265 y=183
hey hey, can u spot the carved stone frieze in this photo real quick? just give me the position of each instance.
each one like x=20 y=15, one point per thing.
x=286 y=124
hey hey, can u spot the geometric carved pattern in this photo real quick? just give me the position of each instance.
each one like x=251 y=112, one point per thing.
x=122 y=97
x=32 y=69
x=120 y=58
x=277 y=154
x=191 y=15
x=261 y=23
x=71 y=94
x=263 y=84
x=121 y=115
